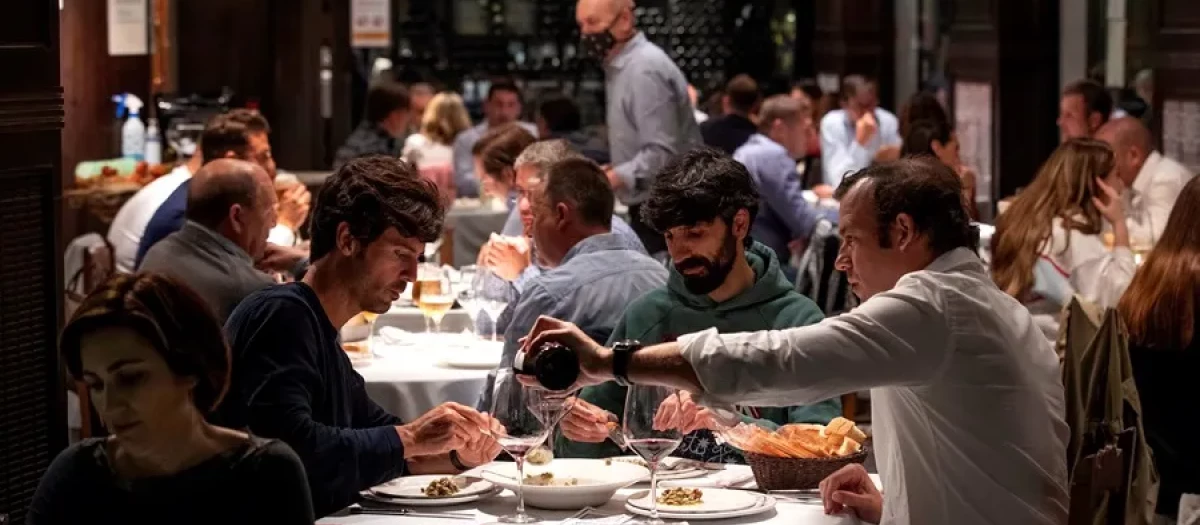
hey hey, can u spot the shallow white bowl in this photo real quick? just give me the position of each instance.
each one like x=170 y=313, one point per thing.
x=597 y=482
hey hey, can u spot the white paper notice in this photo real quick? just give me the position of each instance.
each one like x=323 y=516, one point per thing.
x=370 y=23
x=128 y=30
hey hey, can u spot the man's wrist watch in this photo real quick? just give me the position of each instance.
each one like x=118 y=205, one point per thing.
x=622 y=353
x=456 y=461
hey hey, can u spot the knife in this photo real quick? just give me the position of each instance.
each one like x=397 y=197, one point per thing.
x=359 y=509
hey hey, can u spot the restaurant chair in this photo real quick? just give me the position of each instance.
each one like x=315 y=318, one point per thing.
x=1110 y=471
x=90 y=261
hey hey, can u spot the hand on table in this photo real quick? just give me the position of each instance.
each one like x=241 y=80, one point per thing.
x=585 y=422
x=682 y=412
x=595 y=361
x=449 y=426
x=851 y=488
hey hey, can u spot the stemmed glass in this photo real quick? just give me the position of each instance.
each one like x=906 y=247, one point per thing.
x=651 y=442
x=512 y=406
x=494 y=294
x=434 y=296
x=464 y=291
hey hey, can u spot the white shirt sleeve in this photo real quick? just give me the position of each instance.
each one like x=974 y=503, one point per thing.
x=1153 y=207
x=900 y=337
x=840 y=153
x=282 y=236
x=1097 y=274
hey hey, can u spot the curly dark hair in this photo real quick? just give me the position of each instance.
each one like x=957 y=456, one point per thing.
x=699 y=186
x=372 y=194
x=924 y=189
x=169 y=315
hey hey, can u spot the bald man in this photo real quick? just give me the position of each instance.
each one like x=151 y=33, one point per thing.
x=649 y=114
x=1154 y=181
x=230 y=213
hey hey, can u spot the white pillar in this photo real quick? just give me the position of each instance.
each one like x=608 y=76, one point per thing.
x=907 y=50
x=1115 y=63
x=1072 y=41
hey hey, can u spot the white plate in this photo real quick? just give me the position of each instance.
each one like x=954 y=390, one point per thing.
x=473 y=359
x=411 y=487
x=666 y=475
x=431 y=502
x=764 y=504
x=713 y=501
x=599 y=482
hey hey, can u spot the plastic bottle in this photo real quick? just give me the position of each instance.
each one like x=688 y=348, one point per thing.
x=153 y=142
x=133 y=133
x=117 y=123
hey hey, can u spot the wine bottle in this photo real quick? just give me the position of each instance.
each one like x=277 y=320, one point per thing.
x=555 y=366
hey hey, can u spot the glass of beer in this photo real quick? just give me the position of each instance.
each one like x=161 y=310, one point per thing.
x=433 y=296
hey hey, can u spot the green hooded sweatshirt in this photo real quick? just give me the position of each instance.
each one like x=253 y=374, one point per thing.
x=666 y=313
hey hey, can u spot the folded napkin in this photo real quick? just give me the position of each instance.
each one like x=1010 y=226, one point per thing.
x=734 y=478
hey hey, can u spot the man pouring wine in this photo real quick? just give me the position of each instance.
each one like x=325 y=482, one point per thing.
x=968 y=409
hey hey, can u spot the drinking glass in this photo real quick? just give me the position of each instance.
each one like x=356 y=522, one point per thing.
x=642 y=403
x=494 y=294
x=512 y=406
x=434 y=298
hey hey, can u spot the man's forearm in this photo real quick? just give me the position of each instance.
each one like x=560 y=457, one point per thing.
x=664 y=365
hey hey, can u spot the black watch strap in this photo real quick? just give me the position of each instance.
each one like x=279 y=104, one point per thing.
x=622 y=353
x=457 y=462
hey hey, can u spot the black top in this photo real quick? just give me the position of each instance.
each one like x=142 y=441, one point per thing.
x=727 y=132
x=293 y=382
x=1169 y=398
x=259 y=482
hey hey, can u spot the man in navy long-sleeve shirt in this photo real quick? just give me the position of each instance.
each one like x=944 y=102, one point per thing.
x=292 y=380
x=770 y=156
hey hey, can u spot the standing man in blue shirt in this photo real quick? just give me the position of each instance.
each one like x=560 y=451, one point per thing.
x=770 y=157
x=858 y=134
x=648 y=111
x=503 y=105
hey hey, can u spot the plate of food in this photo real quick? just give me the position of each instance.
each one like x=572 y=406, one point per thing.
x=762 y=504
x=670 y=468
x=567 y=484
x=689 y=500
x=433 y=490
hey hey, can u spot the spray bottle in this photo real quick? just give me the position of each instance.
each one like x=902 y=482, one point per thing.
x=133 y=133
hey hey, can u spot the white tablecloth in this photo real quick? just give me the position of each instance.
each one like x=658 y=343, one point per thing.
x=409 y=379
x=790 y=513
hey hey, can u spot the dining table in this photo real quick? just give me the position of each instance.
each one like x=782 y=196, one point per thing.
x=788 y=510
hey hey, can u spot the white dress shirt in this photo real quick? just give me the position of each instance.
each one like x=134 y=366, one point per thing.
x=1152 y=196
x=425 y=152
x=842 y=154
x=125 y=232
x=966 y=401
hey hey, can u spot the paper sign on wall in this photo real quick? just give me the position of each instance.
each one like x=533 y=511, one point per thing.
x=370 y=23
x=128 y=30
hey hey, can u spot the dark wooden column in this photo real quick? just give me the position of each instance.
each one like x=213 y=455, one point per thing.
x=1011 y=46
x=857 y=37
x=32 y=414
x=1177 y=78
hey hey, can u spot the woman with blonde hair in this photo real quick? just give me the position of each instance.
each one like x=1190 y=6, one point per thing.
x=1048 y=245
x=1159 y=310
x=432 y=149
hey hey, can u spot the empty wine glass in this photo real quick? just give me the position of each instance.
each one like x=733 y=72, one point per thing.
x=524 y=429
x=651 y=442
x=494 y=293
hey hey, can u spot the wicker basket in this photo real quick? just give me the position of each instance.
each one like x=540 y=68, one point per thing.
x=772 y=473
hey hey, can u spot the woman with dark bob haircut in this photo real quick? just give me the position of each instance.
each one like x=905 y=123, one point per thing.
x=155 y=362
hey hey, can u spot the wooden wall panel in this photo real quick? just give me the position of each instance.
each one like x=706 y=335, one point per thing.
x=1176 y=57
x=32 y=407
x=857 y=37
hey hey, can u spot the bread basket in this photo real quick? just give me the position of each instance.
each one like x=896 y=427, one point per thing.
x=775 y=473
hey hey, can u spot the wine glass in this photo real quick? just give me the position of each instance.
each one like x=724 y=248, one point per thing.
x=648 y=441
x=435 y=298
x=494 y=294
x=551 y=407
x=524 y=429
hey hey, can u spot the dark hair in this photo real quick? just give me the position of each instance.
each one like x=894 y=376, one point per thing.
x=168 y=314
x=225 y=133
x=216 y=187
x=810 y=88
x=700 y=186
x=372 y=194
x=920 y=137
x=499 y=148
x=582 y=183
x=922 y=106
x=1095 y=98
x=383 y=98
x=743 y=93
x=781 y=107
x=560 y=113
x=504 y=86
x=924 y=189
x=852 y=85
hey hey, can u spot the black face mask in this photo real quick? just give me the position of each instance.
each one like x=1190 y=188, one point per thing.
x=718 y=269
x=597 y=45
